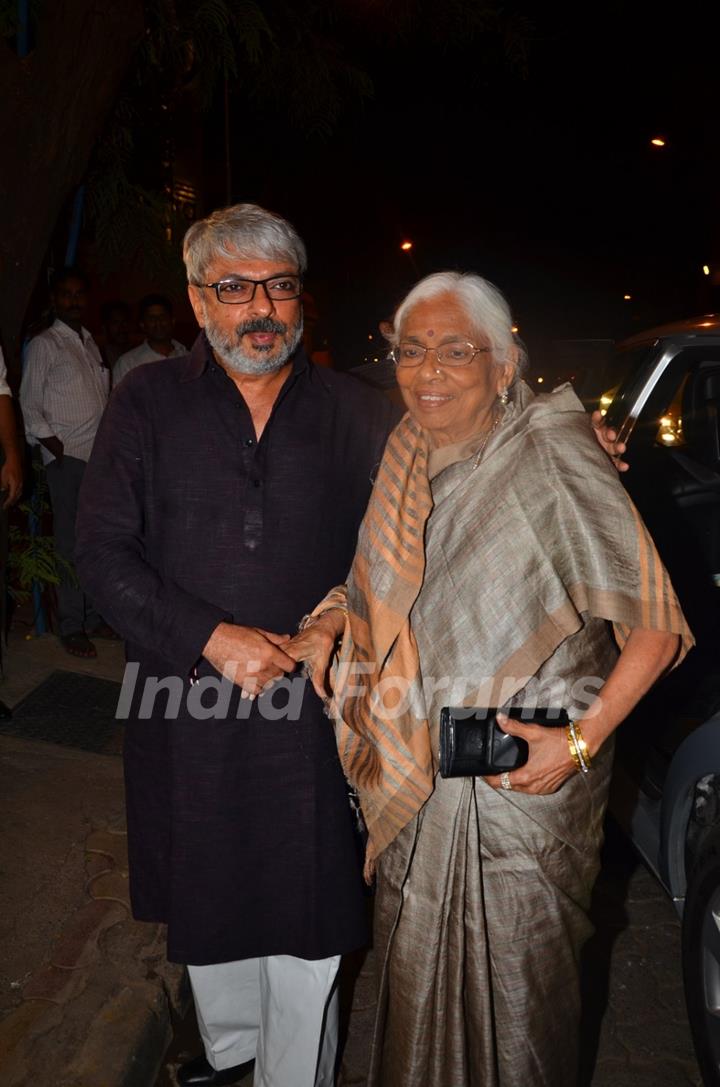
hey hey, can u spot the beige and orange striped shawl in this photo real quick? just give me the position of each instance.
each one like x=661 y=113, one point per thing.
x=578 y=548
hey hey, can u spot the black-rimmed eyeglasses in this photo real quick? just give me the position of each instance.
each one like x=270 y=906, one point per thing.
x=237 y=292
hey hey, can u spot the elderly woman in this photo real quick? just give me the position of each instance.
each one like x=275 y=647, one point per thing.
x=498 y=557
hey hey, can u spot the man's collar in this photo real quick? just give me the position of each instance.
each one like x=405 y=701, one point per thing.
x=63 y=327
x=201 y=358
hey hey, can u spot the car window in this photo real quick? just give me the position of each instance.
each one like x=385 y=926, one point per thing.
x=668 y=399
x=700 y=418
x=627 y=371
x=670 y=431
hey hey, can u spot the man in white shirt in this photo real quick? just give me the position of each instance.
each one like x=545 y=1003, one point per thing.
x=63 y=394
x=156 y=321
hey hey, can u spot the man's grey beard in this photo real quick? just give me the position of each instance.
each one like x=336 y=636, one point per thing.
x=228 y=347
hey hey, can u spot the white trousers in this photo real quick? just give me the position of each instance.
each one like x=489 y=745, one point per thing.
x=280 y=1010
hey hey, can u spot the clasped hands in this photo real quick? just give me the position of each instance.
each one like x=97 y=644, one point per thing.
x=253 y=658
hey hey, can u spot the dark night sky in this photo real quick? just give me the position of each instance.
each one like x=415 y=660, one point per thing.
x=546 y=184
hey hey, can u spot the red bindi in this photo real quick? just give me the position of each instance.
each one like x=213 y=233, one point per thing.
x=430 y=332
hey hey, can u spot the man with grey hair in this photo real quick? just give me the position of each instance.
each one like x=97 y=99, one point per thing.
x=221 y=501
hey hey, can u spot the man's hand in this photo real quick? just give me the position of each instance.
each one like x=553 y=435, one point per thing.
x=250 y=657
x=11 y=480
x=607 y=438
x=54 y=446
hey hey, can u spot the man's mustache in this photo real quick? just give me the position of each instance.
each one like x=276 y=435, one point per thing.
x=260 y=324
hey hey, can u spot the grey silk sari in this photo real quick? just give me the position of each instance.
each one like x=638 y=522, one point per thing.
x=482 y=899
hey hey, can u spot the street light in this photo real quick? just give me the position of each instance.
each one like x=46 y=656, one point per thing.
x=658 y=141
x=406 y=247
x=627 y=297
x=706 y=270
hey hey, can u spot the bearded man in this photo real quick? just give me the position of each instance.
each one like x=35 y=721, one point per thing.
x=222 y=500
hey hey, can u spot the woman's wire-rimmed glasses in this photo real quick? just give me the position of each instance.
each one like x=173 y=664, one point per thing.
x=456 y=353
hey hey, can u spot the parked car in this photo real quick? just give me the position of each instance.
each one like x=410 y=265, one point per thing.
x=666 y=789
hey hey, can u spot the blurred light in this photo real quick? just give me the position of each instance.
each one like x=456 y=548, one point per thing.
x=369 y=337
x=540 y=381
x=670 y=431
x=376 y=360
x=606 y=400
x=514 y=328
x=658 y=141
x=406 y=246
x=706 y=270
x=627 y=297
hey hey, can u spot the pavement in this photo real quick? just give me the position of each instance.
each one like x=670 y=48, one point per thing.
x=87 y=998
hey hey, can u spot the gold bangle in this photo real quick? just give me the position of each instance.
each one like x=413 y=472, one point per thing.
x=580 y=747
x=583 y=749
x=573 y=751
x=308 y=620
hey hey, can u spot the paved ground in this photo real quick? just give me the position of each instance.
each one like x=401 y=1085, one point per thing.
x=85 y=994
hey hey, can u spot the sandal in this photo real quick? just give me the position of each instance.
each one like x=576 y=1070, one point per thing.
x=78 y=645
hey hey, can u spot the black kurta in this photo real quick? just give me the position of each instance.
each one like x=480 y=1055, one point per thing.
x=239 y=830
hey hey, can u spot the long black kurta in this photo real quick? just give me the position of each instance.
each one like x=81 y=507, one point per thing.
x=239 y=831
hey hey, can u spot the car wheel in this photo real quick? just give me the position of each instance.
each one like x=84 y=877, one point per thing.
x=701 y=956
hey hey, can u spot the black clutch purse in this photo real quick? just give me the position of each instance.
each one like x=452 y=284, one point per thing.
x=473 y=744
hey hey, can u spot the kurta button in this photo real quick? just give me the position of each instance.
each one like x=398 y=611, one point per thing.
x=249 y=442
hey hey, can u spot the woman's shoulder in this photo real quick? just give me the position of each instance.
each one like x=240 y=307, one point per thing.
x=558 y=428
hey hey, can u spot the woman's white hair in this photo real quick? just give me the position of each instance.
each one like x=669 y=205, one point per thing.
x=485 y=306
x=244 y=232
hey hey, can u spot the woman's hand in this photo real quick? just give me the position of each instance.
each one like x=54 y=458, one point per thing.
x=315 y=646
x=549 y=763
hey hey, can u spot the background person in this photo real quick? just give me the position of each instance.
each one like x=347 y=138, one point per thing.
x=115 y=320
x=155 y=318
x=11 y=459
x=11 y=485
x=498 y=546
x=63 y=394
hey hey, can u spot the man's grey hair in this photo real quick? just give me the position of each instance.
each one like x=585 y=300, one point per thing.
x=244 y=232
x=484 y=304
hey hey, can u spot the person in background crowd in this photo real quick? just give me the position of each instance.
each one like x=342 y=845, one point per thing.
x=156 y=322
x=63 y=394
x=11 y=470
x=11 y=484
x=115 y=318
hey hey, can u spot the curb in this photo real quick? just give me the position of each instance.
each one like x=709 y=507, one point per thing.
x=98 y=1011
